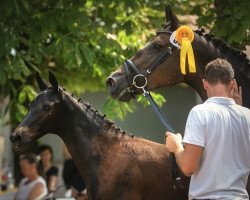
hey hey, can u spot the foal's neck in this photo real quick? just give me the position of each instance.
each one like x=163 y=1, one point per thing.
x=80 y=123
x=85 y=132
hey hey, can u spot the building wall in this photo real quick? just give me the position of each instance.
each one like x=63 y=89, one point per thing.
x=6 y=157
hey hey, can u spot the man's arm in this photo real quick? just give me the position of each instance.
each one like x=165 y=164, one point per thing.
x=188 y=158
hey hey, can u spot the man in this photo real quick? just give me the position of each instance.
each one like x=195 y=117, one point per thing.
x=216 y=141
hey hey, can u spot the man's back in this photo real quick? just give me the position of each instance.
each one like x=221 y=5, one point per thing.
x=223 y=129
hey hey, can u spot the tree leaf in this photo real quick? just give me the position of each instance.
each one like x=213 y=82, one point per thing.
x=88 y=54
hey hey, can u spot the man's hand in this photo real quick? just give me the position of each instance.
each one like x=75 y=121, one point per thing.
x=236 y=93
x=188 y=159
x=173 y=142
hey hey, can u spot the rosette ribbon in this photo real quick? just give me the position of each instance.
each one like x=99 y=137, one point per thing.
x=185 y=36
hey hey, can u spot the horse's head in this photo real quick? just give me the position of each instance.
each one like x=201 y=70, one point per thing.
x=153 y=60
x=42 y=115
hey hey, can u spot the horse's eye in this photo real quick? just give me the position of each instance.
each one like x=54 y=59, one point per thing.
x=47 y=107
x=156 y=46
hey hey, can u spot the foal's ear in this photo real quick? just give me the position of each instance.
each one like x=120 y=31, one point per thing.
x=41 y=82
x=53 y=81
x=171 y=19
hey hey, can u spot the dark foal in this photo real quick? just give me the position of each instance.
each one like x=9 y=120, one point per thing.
x=206 y=48
x=114 y=164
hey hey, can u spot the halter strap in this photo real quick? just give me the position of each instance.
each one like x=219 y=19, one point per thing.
x=155 y=63
x=162 y=31
x=131 y=64
x=161 y=59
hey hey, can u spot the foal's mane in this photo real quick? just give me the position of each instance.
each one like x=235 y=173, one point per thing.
x=88 y=107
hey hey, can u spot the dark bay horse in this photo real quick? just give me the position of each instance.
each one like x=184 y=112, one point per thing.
x=114 y=164
x=206 y=48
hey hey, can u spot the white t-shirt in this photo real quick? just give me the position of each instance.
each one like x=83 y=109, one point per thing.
x=223 y=129
x=25 y=189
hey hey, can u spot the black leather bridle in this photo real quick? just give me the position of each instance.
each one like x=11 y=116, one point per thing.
x=140 y=79
x=140 y=82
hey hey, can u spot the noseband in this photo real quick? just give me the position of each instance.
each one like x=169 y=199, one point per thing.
x=140 y=80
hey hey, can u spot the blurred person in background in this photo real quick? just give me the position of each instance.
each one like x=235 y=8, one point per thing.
x=72 y=178
x=32 y=186
x=50 y=171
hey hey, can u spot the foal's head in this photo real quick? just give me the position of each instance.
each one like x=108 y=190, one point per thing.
x=42 y=117
x=119 y=81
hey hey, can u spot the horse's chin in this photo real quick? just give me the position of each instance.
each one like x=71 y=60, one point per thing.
x=125 y=97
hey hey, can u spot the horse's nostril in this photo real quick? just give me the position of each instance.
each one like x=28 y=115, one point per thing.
x=15 y=137
x=110 y=82
x=18 y=138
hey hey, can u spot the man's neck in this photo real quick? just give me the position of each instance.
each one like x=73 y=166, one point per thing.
x=218 y=90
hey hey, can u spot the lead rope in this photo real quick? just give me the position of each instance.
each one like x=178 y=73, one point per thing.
x=174 y=166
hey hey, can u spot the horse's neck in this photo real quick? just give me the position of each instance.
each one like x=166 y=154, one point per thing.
x=85 y=132
x=204 y=52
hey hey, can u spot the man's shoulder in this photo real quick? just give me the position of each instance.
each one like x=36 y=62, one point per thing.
x=202 y=107
x=244 y=110
x=202 y=111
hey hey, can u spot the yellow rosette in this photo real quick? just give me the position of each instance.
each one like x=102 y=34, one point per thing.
x=184 y=36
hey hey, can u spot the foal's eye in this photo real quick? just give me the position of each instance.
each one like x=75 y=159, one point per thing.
x=47 y=107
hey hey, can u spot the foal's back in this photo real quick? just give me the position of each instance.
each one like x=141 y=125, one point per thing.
x=135 y=169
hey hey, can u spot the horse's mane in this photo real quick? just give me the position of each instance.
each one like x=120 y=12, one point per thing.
x=87 y=106
x=223 y=46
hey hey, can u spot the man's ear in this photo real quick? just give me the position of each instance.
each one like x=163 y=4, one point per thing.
x=233 y=84
x=205 y=84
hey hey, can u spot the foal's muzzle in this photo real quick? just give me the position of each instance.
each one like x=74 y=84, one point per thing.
x=15 y=137
x=20 y=138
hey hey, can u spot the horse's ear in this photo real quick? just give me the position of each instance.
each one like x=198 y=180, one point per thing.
x=171 y=19
x=41 y=82
x=53 y=81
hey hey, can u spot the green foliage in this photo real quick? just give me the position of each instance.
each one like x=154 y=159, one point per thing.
x=158 y=98
x=18 y=105
x=233 y=23
x=227 y=19
x=82 y=41
x=117 y=109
